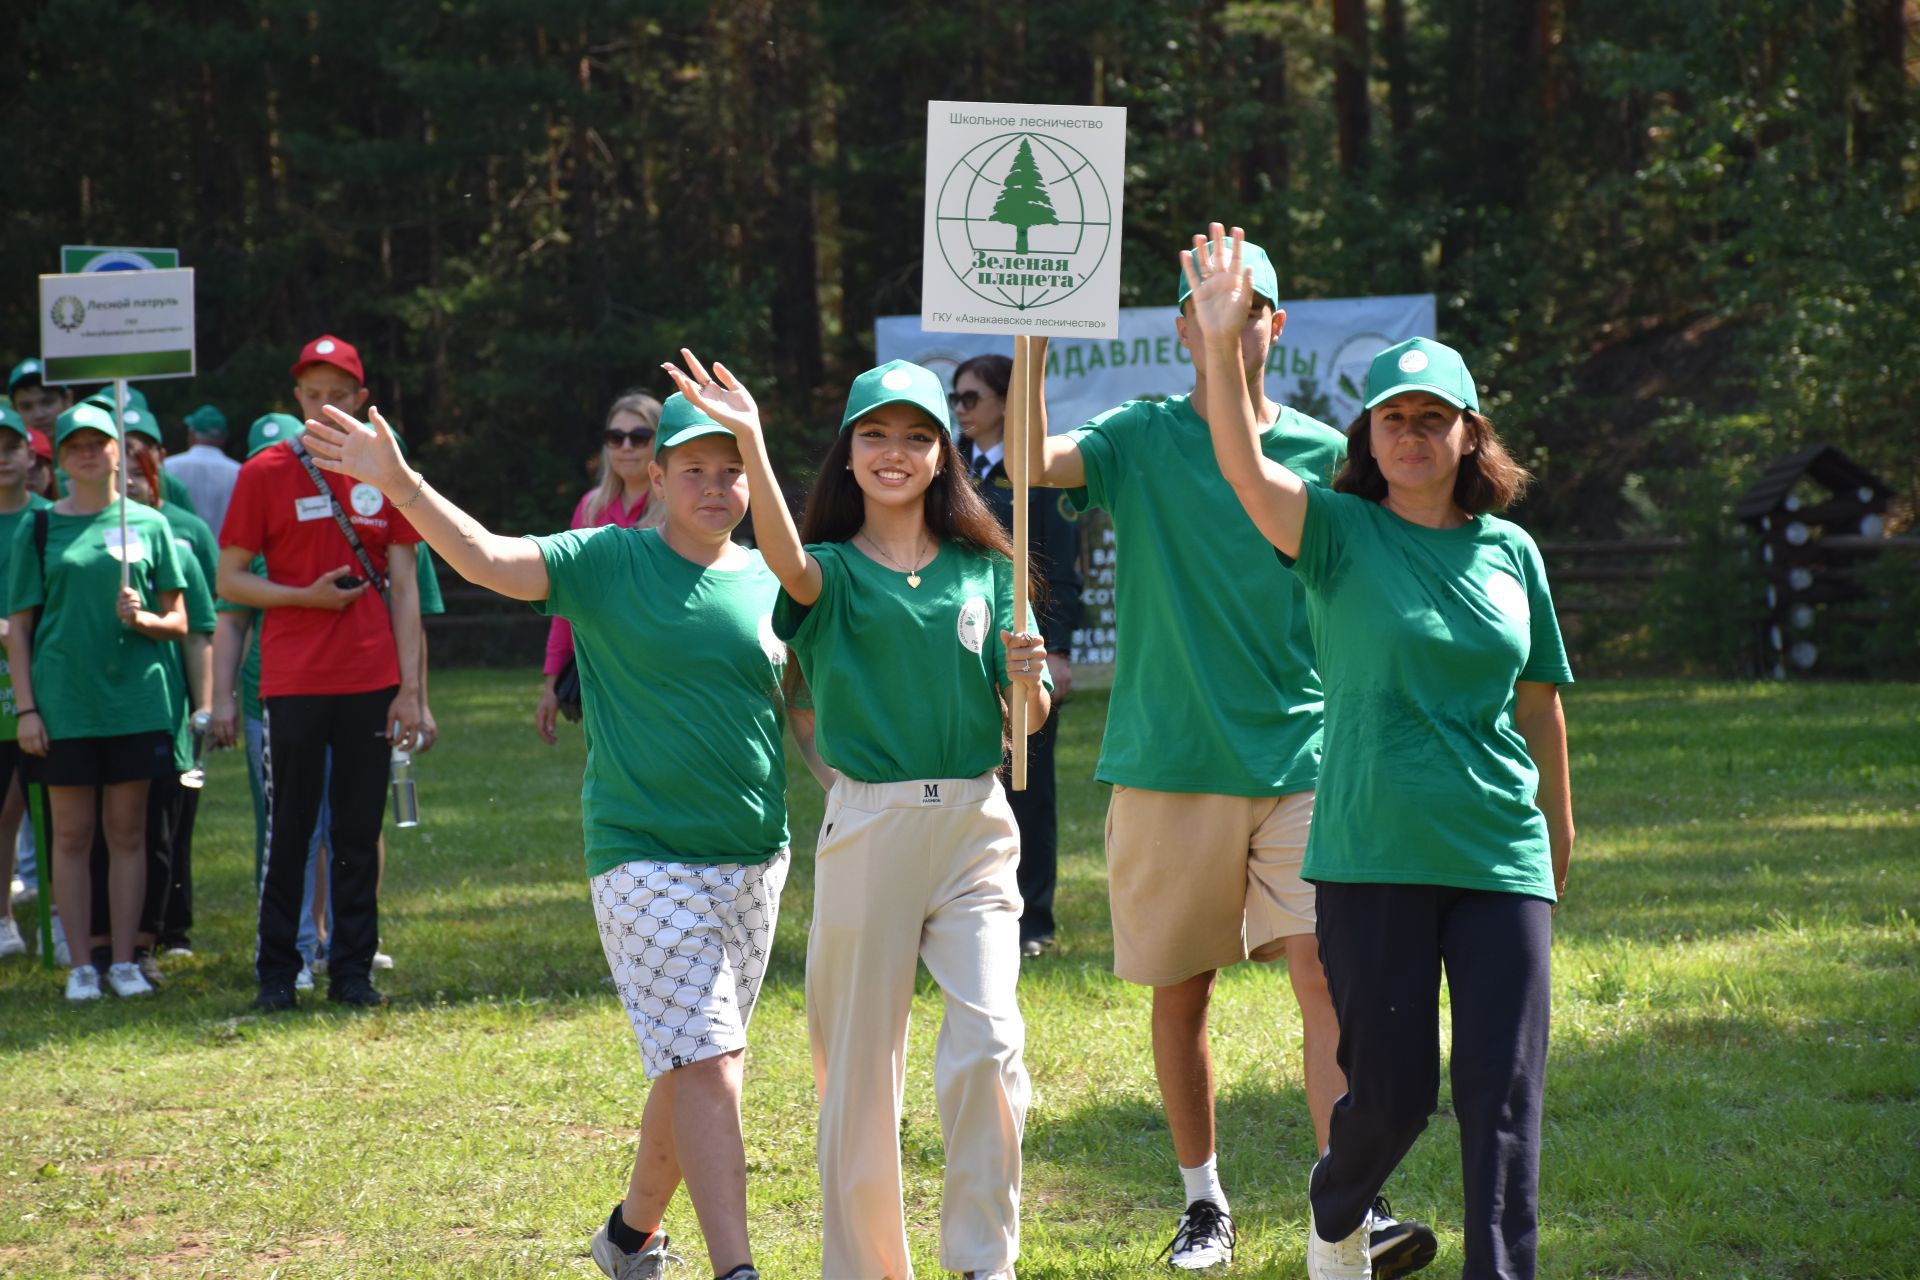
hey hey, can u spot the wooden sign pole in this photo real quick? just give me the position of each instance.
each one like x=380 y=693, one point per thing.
x=1021 y=407
x=120 y=421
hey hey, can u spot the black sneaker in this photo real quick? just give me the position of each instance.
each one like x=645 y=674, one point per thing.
x=1398 y=1248
x=1204 y=1239
x=275 y=998
x=360 y=994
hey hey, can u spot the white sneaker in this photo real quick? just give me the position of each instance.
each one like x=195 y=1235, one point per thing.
x=24 y=891
x=11 y=943
x=1203 y=1240
x=303 y=980
x=62 y=958
x=127 y=981
x=381 y=960
x=83 y=983
x=1347 y=1259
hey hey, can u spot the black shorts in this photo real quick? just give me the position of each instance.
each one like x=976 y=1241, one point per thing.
x=101 y=762
x=10 y=758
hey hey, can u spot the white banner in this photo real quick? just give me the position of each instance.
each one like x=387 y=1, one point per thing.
x=1318 y=366
x=98 y=326
x=1023 y=218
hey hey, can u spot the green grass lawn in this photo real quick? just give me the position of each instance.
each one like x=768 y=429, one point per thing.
x=1734 y=1072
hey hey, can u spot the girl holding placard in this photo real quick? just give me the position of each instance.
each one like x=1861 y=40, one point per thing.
x=897 y=600
x=89 y=659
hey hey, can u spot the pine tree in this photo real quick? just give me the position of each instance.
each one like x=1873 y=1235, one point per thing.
x=1024 y=201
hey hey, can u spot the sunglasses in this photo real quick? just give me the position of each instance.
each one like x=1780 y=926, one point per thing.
x=639 y=437
x=963 y=399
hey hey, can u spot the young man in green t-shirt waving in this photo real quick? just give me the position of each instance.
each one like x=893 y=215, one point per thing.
x=1212 y=743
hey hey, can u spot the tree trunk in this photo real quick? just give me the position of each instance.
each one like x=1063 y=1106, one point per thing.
x=1352 y=111
x=1393 y=41
x=1884 y=30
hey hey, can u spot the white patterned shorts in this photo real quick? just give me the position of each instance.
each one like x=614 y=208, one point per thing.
x=687 y=944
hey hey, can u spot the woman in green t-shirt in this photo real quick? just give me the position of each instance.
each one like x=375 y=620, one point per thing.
x=1444 y=822
x=90 y=672
x=897 y=600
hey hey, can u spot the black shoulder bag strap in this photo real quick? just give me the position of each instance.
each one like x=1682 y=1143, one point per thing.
x=340 y=517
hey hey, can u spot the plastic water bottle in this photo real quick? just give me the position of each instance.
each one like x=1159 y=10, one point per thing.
x=406 y=807
x=196 y=776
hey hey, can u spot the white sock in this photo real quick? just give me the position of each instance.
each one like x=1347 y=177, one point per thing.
x=1203 y=1183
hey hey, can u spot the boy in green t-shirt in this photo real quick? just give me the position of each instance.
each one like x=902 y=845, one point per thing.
x=16 y=504
x=38 y=404
x=1205 y=840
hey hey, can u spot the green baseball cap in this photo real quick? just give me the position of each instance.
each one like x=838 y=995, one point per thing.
x=13 y=422
x=1254 y=259
x=1421 y=364
x=27 y=370
x=207 y=421
x=139 y=418
x=85 y=416
x=898 y=382
x=680 y=422
x=270 y=429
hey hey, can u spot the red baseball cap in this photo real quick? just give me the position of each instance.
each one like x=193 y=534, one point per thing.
x=327 y=349
x=42 y=446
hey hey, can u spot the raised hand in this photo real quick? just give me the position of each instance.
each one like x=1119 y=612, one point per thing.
x=1222 y=285
x=719 y=395
x=363 y=450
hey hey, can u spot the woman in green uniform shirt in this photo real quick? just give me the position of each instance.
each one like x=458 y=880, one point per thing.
x=90 y=679
x=684 y=798
x=1445 y=816
x=17 y=504
x=898 y=599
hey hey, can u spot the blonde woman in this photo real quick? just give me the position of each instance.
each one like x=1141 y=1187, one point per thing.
x=626 y=448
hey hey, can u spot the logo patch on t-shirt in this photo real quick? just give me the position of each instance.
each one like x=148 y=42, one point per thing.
x=366 y=499
x=314 y=508
x=973 y=624
x=132 y=552
x=1509 y=597
x=771 y=644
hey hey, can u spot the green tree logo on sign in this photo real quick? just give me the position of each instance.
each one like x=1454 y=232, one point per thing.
x=1023 y=202
x=1049 y=194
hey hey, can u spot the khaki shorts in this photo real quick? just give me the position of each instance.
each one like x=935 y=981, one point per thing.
x=1200 y=882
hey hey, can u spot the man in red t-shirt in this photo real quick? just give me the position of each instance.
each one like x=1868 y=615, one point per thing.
x=340 y=671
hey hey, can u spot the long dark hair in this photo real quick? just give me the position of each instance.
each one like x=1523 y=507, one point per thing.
x=837 y=507
x=1488 y=480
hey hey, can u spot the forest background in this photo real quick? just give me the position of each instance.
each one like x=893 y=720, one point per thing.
x=1674 y=240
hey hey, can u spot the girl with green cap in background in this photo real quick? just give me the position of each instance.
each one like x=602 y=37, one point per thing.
x=1445 y=818
x=897 y=598
x=684 y=798
x=16 y=505
x=88 y=659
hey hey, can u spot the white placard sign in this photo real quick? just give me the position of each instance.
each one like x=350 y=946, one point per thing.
x=98 y=326
x=1023 y=219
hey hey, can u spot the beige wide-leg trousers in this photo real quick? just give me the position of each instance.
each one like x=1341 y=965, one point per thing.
x=910 y=871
